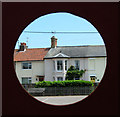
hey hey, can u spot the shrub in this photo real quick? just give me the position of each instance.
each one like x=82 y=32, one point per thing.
x=66 y=83
x=74 y=73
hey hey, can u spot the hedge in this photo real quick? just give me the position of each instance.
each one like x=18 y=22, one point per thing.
x=66 y=83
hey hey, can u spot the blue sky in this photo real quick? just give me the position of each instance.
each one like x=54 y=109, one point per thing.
x=60 y=22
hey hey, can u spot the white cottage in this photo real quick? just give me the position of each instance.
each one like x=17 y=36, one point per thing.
x=49 y=64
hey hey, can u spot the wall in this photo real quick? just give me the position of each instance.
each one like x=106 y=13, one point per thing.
x=94 y=66
x=97 y=67
x=83 y=65
x=37 y=69
x=50 y=72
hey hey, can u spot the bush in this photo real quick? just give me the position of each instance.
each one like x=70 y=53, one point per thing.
x=74 y=73
x=66 y=83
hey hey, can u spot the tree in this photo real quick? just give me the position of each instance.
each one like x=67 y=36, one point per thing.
x=74 y=73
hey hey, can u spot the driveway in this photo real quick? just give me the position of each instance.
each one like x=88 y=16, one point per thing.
x=60 y=100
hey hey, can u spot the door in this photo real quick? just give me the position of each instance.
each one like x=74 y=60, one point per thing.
x=92 y=78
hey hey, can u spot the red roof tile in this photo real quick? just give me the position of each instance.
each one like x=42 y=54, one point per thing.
x=30 y=54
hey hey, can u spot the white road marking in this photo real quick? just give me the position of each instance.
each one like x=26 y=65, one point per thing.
x=45 y=100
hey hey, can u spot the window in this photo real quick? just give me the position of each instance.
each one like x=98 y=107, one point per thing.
x=26 y=65
x=65 y=64
x=59 y=65
x=60 y=78
x=77 y=64
x=26 y=80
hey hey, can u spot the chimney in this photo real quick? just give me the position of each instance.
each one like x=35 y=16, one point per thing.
x=53 y=42
x=22 y=47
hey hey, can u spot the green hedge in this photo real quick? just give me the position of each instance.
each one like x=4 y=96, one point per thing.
x=66 y=83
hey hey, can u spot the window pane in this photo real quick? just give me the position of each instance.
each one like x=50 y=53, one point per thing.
x=59 y=78
x=30 y=66
x=25 y=65
x=24 y=80
x=65 y=64
x=58 y=68
x=77 y=64
x=29 y=81
x=60 y=62
x=59 y=65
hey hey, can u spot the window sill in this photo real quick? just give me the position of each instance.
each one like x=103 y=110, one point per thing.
x=61 y=71
x=26 y=69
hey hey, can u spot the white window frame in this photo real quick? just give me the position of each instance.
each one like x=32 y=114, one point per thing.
x=29 y=64
x=78 y=64
x=29 y=79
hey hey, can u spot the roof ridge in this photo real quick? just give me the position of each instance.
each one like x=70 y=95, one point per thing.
x=34 y=48
x=38 y=48
x=83 y=46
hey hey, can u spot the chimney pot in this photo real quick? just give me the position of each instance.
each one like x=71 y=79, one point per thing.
x=53 y=42
x=23 y=43
x=22 y=47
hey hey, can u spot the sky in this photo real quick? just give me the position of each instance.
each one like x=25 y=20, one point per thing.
x=59 y=22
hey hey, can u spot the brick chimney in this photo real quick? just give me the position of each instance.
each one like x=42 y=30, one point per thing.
x=53 y=42
x=22 y=47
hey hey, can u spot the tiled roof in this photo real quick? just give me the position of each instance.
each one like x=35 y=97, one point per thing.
x=78 y=51
x=62 y=51
x=30 y=54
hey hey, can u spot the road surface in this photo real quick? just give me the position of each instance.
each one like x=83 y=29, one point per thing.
x=60 y=100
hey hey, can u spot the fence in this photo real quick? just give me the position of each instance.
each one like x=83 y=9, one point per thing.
x=27 y=86
x=61 y=91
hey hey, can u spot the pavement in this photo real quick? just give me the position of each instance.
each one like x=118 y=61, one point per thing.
x=60 y=100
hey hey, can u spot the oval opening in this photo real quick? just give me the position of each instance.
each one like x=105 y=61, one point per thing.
x=60 y=58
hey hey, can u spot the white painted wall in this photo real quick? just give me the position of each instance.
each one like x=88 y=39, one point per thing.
x=94 y=66
x=97 y=67
x=83 y=65
x=48 y=70
x=37 y=69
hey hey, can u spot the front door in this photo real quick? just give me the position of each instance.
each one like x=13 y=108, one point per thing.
x=92 y=78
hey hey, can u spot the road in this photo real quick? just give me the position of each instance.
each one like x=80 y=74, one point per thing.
x=60 y=100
